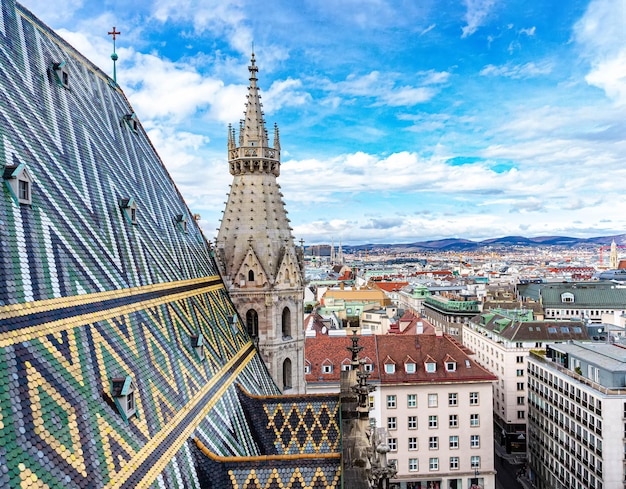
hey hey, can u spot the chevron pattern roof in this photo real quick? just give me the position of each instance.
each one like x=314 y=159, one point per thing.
x=106 y=286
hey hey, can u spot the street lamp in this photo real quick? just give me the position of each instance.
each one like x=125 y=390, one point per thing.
x=475 y=480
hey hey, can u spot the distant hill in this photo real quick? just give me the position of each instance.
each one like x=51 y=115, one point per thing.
x=452 y=244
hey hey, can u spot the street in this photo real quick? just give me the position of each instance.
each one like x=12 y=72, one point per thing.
x=506 y=479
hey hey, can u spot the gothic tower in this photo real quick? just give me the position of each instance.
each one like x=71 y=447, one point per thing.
x=261 y=265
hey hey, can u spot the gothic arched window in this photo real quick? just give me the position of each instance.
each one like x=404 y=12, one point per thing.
x=251 y=276
x=286 y=323
x=252 y=323
x=287 y=374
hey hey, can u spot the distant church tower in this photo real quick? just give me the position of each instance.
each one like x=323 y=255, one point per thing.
x=613 y=258
x=262 y=267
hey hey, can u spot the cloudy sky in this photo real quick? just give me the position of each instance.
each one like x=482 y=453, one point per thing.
x=400 y=120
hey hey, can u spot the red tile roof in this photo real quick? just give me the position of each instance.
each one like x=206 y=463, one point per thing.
x=394 y=349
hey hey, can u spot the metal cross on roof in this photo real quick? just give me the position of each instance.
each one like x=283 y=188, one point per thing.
x=114 y=33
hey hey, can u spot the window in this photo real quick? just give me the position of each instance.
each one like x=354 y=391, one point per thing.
x=519 y=359
x=474 y=420
x=433 y=463
x=197 y=343
x=391 y=402
x=412 y=442
x=287 y=376
x=475 y=441
x=475 y=462
x=61 y=74
x=409 y=368
x=368 y=367
x=432 y=400
x=453 y=399
x=286 y=324
x=520 y=372
x=18 y=181
x=131 y=121
x=453 y=421
x=520 y=386
x=345 y=367
x=451 y=366
x=433 y=443
x=123 y=393
x=24 y=191
x=411 y=400
x=307 y=368
x=413 y=466
x=412 y=422
x=129 y=209
x=252 y=323
x=371 y=399
x=520 y=400
x=431 y=367
x=521 y=414
x=327 y=368
x=432 y=421
x=390 y=368
x=392 y=443
x=181 y=222
x=392 y=423
x=454 y=463
x=454 y=442
x=473 y=398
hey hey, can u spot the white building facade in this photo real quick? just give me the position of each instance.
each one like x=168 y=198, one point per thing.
x=577 y=416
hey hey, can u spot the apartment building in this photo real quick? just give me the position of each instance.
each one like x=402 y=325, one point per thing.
x=565 y=300
x=501 y=341
x=577 y=416
x=434 y=401
x=450 y=311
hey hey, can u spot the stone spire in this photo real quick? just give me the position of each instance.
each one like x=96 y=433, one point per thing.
x=613 y=257
x=255 y=250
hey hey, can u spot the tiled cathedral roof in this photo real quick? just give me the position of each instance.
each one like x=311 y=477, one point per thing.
x=106 y=287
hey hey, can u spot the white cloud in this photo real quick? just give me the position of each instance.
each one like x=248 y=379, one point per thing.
x=384 y=89
x=477 y=12
x=600 y=34
x=518 y=71
x=53 y=12
x=530 y=31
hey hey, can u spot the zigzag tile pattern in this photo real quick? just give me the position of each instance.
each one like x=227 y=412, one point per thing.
x=87 y=296
x=294 y=425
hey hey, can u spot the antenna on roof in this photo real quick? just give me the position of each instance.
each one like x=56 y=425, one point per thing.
x=114 y=33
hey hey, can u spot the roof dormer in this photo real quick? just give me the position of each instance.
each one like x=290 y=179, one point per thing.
x=430 y=365
x=19 y=182
x=409 y=365
x=450 y=364
x=129 y=209
x=123 y=393
x=61 y=74
x=390 y=365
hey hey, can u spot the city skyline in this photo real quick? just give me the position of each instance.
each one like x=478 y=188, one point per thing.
x=399 y=122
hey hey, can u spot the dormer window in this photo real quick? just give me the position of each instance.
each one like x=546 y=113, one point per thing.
x=131 y=121
x=181 y=222
x=18 y=181
x=61 y=74
x=409 y=365
x=307 y=367
x=567 y=297
x=327 y=367
x=368 y=367
x=197 y=343
x=450 y=364
x=129 y=208
x=430 y=365
x=123 y=393
x=390 y=368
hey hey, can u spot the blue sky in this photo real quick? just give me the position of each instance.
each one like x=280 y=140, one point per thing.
x=400 y=120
